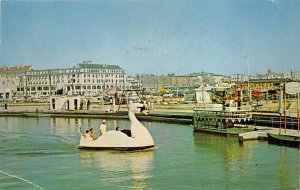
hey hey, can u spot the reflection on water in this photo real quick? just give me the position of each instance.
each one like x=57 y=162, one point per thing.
x=227 y=150
x=58 y=126
x=120 y=166
x=284 y=168
x=244 y=160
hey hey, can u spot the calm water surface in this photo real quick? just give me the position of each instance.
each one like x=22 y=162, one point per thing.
x=41 y=153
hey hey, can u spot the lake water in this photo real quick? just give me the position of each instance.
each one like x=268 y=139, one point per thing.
x=41 y=153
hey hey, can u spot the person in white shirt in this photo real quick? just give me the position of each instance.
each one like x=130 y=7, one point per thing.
x=103 y=127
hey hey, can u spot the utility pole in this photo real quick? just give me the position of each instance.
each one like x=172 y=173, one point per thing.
x=249 y=91
x=19 y=85
x=49 y=74
x=26 y=83
x=6 y=89
x=85 y=76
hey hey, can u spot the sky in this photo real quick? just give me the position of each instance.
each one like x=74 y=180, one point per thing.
x=153 y=36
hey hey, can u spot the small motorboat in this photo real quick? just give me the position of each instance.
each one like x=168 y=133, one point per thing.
x=286 y=140
x=137 y=138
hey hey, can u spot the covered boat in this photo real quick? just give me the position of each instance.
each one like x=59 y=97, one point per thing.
x=137 y=138
x=218 y=118
x=287 y=140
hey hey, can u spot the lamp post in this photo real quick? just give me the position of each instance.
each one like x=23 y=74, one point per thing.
x=249 y=91
x=6 y=89
x=50 y=82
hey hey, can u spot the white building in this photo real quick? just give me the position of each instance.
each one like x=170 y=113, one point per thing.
x=9 y=80
x=237 y=78
x=8 y=87
x=295 y=76
x=83 y=79
x=133 y=83
x=202 y=95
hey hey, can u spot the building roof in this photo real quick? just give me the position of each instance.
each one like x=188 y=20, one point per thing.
x=98 y=66
x=16 y=68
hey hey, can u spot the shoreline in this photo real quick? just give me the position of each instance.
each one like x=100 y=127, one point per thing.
x=182 y=114
x=42 y=110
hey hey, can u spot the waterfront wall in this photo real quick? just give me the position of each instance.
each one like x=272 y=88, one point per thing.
x=171 y=113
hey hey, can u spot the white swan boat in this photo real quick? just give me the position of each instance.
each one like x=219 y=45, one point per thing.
x=137 y=138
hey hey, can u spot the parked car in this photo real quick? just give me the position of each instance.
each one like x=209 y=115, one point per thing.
x=15 y=99
x=184 y=102
x=35 y=100
x=168 y=95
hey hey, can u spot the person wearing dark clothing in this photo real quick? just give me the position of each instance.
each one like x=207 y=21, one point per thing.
x=88 y=104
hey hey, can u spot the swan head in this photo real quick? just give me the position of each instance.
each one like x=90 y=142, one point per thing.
x=134 y=107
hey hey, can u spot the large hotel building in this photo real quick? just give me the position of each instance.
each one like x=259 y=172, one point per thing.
x=85 y=78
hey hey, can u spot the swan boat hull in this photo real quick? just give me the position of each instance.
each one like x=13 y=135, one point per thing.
x=117 y=148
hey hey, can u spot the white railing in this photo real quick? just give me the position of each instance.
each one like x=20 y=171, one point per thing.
x=218 y=108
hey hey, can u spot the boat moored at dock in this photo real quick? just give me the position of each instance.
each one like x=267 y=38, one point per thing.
x=284 y=139
x=223 y=119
